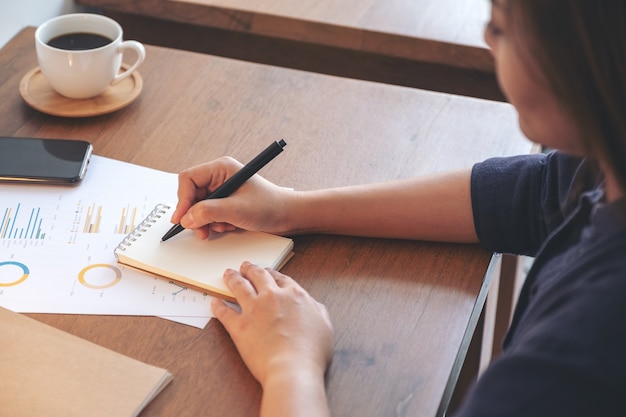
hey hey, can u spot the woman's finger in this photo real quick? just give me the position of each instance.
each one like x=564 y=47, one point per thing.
x=260 y=278
x=241 y=287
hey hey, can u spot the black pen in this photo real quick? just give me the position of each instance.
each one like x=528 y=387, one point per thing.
x=238 y=179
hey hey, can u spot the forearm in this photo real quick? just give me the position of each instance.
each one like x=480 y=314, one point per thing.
x=435 y=208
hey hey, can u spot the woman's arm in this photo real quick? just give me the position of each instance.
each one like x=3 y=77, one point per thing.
x=436 y=207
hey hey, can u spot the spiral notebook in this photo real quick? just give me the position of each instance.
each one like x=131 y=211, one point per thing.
x=198 y=263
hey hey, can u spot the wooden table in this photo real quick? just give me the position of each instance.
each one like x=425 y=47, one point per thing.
x=403 y=311
x=435 y=45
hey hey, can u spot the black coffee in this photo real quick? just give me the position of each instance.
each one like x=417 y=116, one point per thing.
x=79 y=41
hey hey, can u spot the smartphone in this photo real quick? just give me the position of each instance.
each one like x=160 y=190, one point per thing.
x=43 y=161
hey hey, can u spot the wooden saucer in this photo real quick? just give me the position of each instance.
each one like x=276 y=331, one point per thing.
x=37 y=92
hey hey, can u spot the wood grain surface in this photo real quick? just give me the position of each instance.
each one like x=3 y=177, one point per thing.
x=436 y=45
x=403 y=311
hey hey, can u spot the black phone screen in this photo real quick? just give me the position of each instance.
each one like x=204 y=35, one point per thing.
x=50 y=161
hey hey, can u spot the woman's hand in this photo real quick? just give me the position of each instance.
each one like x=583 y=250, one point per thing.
x=256 y=205
x=283 y=335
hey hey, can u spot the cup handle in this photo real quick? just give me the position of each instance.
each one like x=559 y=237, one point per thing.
x=141 y=56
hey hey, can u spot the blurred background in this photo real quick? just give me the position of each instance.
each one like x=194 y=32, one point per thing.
x=15 y=15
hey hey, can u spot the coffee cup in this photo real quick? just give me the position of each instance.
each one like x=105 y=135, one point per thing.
x=80 y=54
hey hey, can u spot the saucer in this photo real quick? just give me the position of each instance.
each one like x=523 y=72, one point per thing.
x=37 y=92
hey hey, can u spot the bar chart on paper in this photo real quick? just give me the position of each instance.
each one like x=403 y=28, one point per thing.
x=22 y=223
x=30 y=223
x=89 y=219
x=57 y=245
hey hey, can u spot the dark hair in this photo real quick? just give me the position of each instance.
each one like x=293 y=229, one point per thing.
x=580 y=49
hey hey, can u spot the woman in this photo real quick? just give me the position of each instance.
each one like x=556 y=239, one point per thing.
x=561 y=64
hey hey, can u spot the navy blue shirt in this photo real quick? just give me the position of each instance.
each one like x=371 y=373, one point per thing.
x=565 y=352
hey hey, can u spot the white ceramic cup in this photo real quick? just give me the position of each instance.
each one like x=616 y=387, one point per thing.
x=84 y=73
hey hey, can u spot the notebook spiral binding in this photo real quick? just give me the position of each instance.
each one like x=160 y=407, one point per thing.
x=142 y=227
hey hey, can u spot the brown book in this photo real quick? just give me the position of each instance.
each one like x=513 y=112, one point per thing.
x=47 y=372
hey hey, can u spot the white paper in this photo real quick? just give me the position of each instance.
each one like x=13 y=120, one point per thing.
x=57 y=243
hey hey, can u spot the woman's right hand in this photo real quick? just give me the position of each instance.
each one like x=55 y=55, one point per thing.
x=257 y=205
